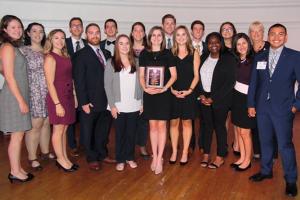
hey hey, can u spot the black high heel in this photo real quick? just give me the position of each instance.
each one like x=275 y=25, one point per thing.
x=242 y=169
x=75 y=166
x=59 y=166
x=13 y=178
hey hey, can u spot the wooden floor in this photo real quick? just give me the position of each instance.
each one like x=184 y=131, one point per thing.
x=177 y=182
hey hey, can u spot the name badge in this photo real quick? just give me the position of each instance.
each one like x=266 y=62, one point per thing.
x=261 y=65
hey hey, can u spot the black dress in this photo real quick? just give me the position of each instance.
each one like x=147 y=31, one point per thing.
x=158 y=106
x=185 y=108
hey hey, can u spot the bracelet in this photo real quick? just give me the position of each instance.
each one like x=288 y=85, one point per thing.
x=57 y=103
x=191 y=89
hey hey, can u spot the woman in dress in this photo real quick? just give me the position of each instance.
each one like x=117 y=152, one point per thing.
x=60 y=98
x=40 y=133
x=184 y=100
x=239 y=115
x=157 y=107
x=124 y=97
x=139 y=41
x=14 y=96
x=217 y=79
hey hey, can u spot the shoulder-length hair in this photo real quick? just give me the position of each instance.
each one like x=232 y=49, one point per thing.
x=144 y=29
x=49 y=46
x=188 y=45
x=162 y=45
x=4 y=37
x=116 y=60
x=27 y=39
x=234 y=45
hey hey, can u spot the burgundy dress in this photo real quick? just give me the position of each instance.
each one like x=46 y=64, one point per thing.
x=64 y=87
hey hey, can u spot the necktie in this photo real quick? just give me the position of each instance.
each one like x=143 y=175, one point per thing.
x=272 y=63
x=77 y=46
x=169 y=45
x=100 y=57
x=110 y=42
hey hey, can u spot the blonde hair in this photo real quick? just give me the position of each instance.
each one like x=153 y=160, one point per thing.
x=49 y=46
x=256 y=24
x=189 y=45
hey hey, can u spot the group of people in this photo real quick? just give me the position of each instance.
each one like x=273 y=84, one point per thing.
x=64 y=81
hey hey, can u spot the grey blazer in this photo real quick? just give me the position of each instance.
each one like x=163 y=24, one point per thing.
x=112 y=85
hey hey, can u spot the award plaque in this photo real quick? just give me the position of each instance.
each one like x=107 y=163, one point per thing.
x=155 y=76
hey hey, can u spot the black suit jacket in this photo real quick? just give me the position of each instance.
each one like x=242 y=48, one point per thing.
x=223 y=80
x=102 y=44
x=70 y=47
x=88 y=74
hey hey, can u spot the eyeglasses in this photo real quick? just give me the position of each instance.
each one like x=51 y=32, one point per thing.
x=227 y=29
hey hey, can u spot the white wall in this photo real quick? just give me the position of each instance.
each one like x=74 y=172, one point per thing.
x=56 y=13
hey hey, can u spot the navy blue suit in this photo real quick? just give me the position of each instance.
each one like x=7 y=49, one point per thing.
x=274 y=114
x=72 y=127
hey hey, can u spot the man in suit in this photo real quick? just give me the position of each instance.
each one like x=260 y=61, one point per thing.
x=111 y=30
x=169 y=24
x=271 y=98
x=197 y=32
x=74 y=43
x=88 y=75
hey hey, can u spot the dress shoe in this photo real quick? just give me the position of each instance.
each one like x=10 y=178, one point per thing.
x=94 y=166
x=234 y=165
x=74 y=152
x=131 y=163
x=239 y=169
x=38 y=167
x=120 y=167
x=291 y=189
x=59 y=166
x=13 y=178
x=75 y=166
x=259 y=177
x=109 y=160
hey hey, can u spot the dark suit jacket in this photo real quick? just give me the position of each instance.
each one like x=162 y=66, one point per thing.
x=223 y=80
x=88 y=74
x=280 y=86
x=70 y=47
x=102 y=44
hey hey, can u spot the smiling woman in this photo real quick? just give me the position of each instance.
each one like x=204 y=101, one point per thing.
x=14 y=97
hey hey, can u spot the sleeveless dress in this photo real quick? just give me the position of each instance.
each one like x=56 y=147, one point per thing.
x=64 y=87
x=11 y=118
x=185 y=108
x=37 y=82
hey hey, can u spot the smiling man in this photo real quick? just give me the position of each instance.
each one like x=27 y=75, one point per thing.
x=272 y=100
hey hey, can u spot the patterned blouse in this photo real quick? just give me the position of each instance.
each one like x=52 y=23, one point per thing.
x=37 y=82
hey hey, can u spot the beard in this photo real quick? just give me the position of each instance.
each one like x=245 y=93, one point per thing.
x=94 y=41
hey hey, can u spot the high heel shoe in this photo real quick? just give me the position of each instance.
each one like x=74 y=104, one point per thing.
x=234 y=165
x=75 y=166
x=242 y=169
x=13 y=178
x=236 y=153
x=172 y=162
x=59 y=166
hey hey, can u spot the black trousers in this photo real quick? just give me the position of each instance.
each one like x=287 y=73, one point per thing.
x=125 y=125
x=95 y=129
x=215 y=119
x=142 y=131
x=71 y=133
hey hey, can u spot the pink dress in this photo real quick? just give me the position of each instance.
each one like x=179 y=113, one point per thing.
x=64 y=87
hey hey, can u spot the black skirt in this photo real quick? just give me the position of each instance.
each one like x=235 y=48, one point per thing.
x=239 y=111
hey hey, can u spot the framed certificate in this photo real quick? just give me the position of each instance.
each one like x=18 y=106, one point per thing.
x=155 y=76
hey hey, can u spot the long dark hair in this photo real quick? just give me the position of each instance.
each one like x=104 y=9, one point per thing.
x=143 y=27
x=234 y=45
x=27 y=39
x=116 y=60
x=4 y=37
